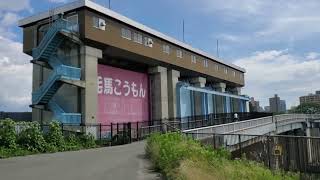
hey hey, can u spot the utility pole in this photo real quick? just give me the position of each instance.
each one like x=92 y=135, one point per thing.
x=183 y=30
x=217 y=48
x=109 y=4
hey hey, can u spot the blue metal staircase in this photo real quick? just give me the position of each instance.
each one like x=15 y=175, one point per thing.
x=46 y=51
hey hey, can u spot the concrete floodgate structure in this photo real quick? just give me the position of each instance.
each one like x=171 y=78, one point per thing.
x=92 y=65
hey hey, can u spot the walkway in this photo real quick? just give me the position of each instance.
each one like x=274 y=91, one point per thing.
x=117 y=162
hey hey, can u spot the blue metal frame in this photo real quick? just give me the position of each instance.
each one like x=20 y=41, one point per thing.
x=227 y=100
x=46 y=51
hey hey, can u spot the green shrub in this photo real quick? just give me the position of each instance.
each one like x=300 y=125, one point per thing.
x=55 y=137
x=8 y=136
x=86 y=140
x=9 y=152
x=72 y=143
x=179 y=157
x=31 y=137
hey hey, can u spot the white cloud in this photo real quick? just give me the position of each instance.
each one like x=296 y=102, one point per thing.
x=58 y=1
x=15 y=77
x=15 y=5
x=313 y=55
x=266 y=21
x=270 y=72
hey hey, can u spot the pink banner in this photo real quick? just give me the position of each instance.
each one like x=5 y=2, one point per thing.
x=122 y=95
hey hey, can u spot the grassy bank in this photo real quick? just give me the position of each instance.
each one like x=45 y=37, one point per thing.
x=178 y=157
x=32 y=140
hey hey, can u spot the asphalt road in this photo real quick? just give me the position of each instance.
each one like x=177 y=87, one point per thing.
x=117 y=162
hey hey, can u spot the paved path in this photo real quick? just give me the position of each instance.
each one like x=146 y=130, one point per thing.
x=117 y=162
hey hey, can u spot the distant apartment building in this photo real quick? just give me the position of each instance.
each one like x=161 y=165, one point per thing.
x=283 y=106
x=311 y=98
x=277 y=105
x=255 y=105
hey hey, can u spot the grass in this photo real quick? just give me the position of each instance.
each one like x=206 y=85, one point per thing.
x=179 y=157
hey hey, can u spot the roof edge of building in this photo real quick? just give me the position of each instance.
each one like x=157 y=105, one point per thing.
x=126 y=20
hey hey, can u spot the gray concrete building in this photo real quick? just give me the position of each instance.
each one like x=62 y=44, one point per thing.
x=92 y=65
x=277 y=105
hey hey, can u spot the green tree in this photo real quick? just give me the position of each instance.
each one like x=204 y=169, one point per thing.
x=307 y=108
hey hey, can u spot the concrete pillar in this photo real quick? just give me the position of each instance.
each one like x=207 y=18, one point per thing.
x=309 y=143
x=221 y=87
x=198 y=82
x=89 y=72
x=247 y=106
x=236 y=90
x=159 y=92
x=173 y=79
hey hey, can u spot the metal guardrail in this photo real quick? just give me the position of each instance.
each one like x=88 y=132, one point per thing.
x=266 y=122
x=290 y=153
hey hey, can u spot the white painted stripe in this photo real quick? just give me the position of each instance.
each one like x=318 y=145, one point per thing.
x=108 y=12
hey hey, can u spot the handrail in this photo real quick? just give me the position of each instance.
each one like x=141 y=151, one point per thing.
x=56 y=27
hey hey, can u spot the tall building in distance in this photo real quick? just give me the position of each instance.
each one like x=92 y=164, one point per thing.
x=311 y=98
x=255 y=105
x=277 y=105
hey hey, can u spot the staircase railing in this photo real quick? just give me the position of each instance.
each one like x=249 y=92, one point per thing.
x=57 y=26
x=59 y=72
x=60 y=115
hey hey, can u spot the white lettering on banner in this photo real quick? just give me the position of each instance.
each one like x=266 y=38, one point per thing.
x=118 y=82
x=107 y=85
x=142 y=92
x=108 y=89
x=126 y=86
x=134 y=90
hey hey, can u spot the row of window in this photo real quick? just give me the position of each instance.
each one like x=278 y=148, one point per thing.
x=138 y=38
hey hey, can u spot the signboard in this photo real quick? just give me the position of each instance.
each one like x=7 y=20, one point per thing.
x=122 y=95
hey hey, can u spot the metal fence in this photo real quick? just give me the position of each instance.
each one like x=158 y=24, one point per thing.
x=123 y=133
x=290 y=153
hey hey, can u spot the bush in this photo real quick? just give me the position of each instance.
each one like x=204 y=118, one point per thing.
x=55 y=137
x=86 y=140
x=179 y=157
x=8 y=136
x=72 y=143
x=8 y=152
x=31 y=138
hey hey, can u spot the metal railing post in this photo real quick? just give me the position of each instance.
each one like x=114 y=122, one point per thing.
x=240 y=149
x=111 y=132
x=100 y=131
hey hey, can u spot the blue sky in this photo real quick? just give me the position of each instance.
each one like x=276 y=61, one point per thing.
x=274 y=40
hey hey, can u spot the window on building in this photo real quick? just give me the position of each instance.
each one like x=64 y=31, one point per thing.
x=234 y=74
x=137 y=38
x=205 y=62
x=217 y=67
x=225 y=70
x=72 y=23
x=148 y=42
x=241 y=76
x=193 y=59
x=126 y=33
x=179 y=53
x=166 y=48
x=99 y=23
x=95 y=22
